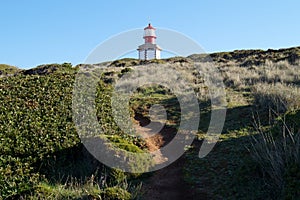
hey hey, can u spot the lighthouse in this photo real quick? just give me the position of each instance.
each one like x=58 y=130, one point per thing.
x=149 y=50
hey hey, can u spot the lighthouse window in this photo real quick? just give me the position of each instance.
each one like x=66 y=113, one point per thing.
x=149 y=32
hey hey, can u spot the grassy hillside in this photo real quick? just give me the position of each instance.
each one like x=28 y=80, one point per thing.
x=8 y=70
x=251 y=57
x=42 y=157
x=257 y=156
x=41 y=153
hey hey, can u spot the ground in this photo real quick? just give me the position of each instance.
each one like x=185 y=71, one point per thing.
x=166 y=183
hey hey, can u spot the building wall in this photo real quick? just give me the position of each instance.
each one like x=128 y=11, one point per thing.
x=150 y=54
x=157 y=54
x=142 y=55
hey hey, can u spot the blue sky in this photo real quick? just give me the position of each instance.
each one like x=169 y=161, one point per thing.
x=35 y=32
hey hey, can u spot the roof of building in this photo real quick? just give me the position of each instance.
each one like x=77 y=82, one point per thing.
x=149 y=27
x=149 y=46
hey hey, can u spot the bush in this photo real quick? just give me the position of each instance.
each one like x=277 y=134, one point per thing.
x=115 y=193
x=7 y=69
x=16 y=176
x=39 y=142
x=279 y=97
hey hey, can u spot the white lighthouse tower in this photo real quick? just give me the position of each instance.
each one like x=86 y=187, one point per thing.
x=149 y=50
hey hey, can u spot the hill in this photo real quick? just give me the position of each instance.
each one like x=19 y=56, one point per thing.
x=7 y=70
x=251 y=57
x=41 y=154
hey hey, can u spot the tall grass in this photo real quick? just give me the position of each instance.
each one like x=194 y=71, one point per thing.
x=273 y=85
x=92 y=188
x=279 y=96
x=279 y=160
x=243 y=77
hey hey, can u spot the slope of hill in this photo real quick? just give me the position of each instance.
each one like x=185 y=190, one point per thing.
x=41 y=155
x=8 y=70
x=251 y=57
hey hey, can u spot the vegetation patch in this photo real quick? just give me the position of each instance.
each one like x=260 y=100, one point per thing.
x=257 y=156
x=40 y=148
x=8 y=70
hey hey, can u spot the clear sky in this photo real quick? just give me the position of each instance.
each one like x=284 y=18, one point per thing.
x=34 y=32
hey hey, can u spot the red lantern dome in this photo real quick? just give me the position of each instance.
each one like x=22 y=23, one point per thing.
x=149 y=34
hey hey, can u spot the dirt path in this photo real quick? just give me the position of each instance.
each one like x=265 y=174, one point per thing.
x=168 y=182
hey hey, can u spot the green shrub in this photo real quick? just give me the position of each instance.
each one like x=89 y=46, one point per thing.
x=126 y=70
x=115 y=193
x=124 y=144
x=39 y=141
x=16 y=176
x=8 y=69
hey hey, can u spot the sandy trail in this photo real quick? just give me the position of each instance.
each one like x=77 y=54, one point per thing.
x=166 y=183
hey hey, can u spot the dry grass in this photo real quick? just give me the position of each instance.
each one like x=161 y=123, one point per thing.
x=279 y=160
x=273 y=85
x=241 y=77
x=279 y=96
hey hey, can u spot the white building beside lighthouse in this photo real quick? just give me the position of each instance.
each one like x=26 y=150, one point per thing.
x=149 y=50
